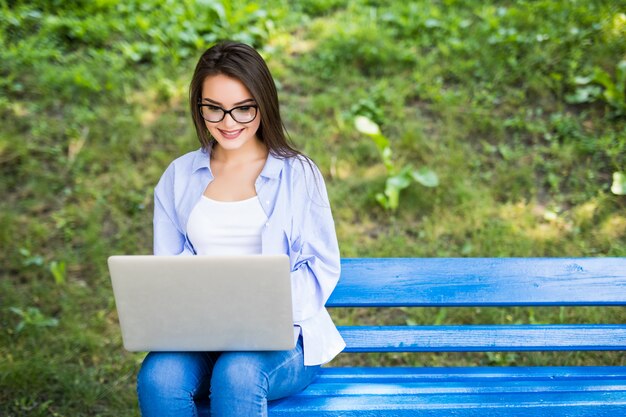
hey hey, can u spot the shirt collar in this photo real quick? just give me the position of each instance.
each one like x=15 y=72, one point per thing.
x=201 y=160
x=273 y=165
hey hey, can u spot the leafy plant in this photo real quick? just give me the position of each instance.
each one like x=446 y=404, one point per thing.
x=57 y=269
x=32 y=316
x=30 y=259
x=614 y=90
x=397 y=178
x=600 y=85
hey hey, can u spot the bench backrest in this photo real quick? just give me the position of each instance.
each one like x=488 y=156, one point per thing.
x=480 y=282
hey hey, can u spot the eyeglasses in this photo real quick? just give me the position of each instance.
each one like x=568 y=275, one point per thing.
x=240 y=114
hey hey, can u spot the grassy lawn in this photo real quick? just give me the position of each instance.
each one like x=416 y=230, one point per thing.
x=516 y=109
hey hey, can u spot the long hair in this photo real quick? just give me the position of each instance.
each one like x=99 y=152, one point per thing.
x=242 y=62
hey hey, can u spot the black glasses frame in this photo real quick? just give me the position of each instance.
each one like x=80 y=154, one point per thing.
x=225 y=112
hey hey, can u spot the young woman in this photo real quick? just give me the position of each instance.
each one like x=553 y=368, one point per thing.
x=245 y=191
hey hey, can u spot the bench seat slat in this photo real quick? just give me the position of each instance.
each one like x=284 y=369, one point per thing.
x=596 y=404
x=463 y=391
x=384 y=282
x=459 y=391
x=472 y=338
x=436 y=374
x=492 y=386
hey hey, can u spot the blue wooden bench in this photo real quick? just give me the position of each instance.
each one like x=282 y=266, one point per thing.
x=473 y=391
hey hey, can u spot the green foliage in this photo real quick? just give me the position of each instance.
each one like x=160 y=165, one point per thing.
x=32 y=316
x=519 y=106
x=397 y=178
x=30 y=260
x=602 y=86
x=57 y=269
x=614 y=91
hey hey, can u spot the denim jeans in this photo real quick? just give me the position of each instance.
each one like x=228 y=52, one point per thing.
x=233 y=384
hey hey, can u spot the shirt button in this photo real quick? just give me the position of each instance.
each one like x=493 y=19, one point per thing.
x=267 y=224
x=267 y=202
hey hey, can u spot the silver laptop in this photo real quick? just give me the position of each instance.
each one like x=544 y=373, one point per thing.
x=203 y=303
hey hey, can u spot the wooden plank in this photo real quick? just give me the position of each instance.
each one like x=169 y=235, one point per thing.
x=376 y=282
x=492 y=386
x=543 y=404
x=467 y=391
x=468 y=374
x=472 y=338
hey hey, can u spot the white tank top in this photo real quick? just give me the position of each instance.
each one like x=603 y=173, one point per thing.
x=226 y=227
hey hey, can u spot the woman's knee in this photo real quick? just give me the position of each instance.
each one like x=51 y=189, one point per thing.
x=238 y=372
x=171 y=374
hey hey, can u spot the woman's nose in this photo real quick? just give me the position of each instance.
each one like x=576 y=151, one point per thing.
x=228 y=120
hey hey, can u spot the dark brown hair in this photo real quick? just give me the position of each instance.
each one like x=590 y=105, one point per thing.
x=242 y=62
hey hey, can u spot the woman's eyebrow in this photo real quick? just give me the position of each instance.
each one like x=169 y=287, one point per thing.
x=236 y=104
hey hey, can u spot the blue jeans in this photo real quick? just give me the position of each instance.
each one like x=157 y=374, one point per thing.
x=230 y=383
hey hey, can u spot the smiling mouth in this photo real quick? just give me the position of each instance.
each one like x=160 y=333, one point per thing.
x=230 y=134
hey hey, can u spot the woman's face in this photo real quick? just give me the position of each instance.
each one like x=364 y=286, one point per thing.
x=227 y=93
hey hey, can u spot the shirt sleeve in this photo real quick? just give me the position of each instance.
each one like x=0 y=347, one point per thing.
x=169 y=238
x=317 y=266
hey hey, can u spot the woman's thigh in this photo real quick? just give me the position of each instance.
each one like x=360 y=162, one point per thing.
x=257 y=377
x=168 y=382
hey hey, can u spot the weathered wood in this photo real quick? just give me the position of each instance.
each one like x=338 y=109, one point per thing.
x=426 y=282
x=483 y=391
x=490 y=338
x=495 y=391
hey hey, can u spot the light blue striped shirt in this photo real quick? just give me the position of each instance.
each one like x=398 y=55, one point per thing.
x=300 y=224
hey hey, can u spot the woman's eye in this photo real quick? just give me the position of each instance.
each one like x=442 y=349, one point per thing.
x=244 y=108
x=213 y=108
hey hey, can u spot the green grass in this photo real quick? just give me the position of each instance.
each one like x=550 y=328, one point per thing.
x=501 y=99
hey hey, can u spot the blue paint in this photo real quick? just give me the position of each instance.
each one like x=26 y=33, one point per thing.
x=598 y=391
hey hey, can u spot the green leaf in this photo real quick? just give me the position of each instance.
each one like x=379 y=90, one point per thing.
x=426 y=177
x=399 y=182
x=17 y=311
x=31 y=259
x=58 y=271
x=33 y=317
x=382 y=200
x=20 y=326
x=48 y=322
x=394 y=185
x=587 y=94
x=370 y=128
x=619 y=183
x=583 y=80
x=603 y=78
x=393 y=197
x=613 y=90
x=366 y=126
